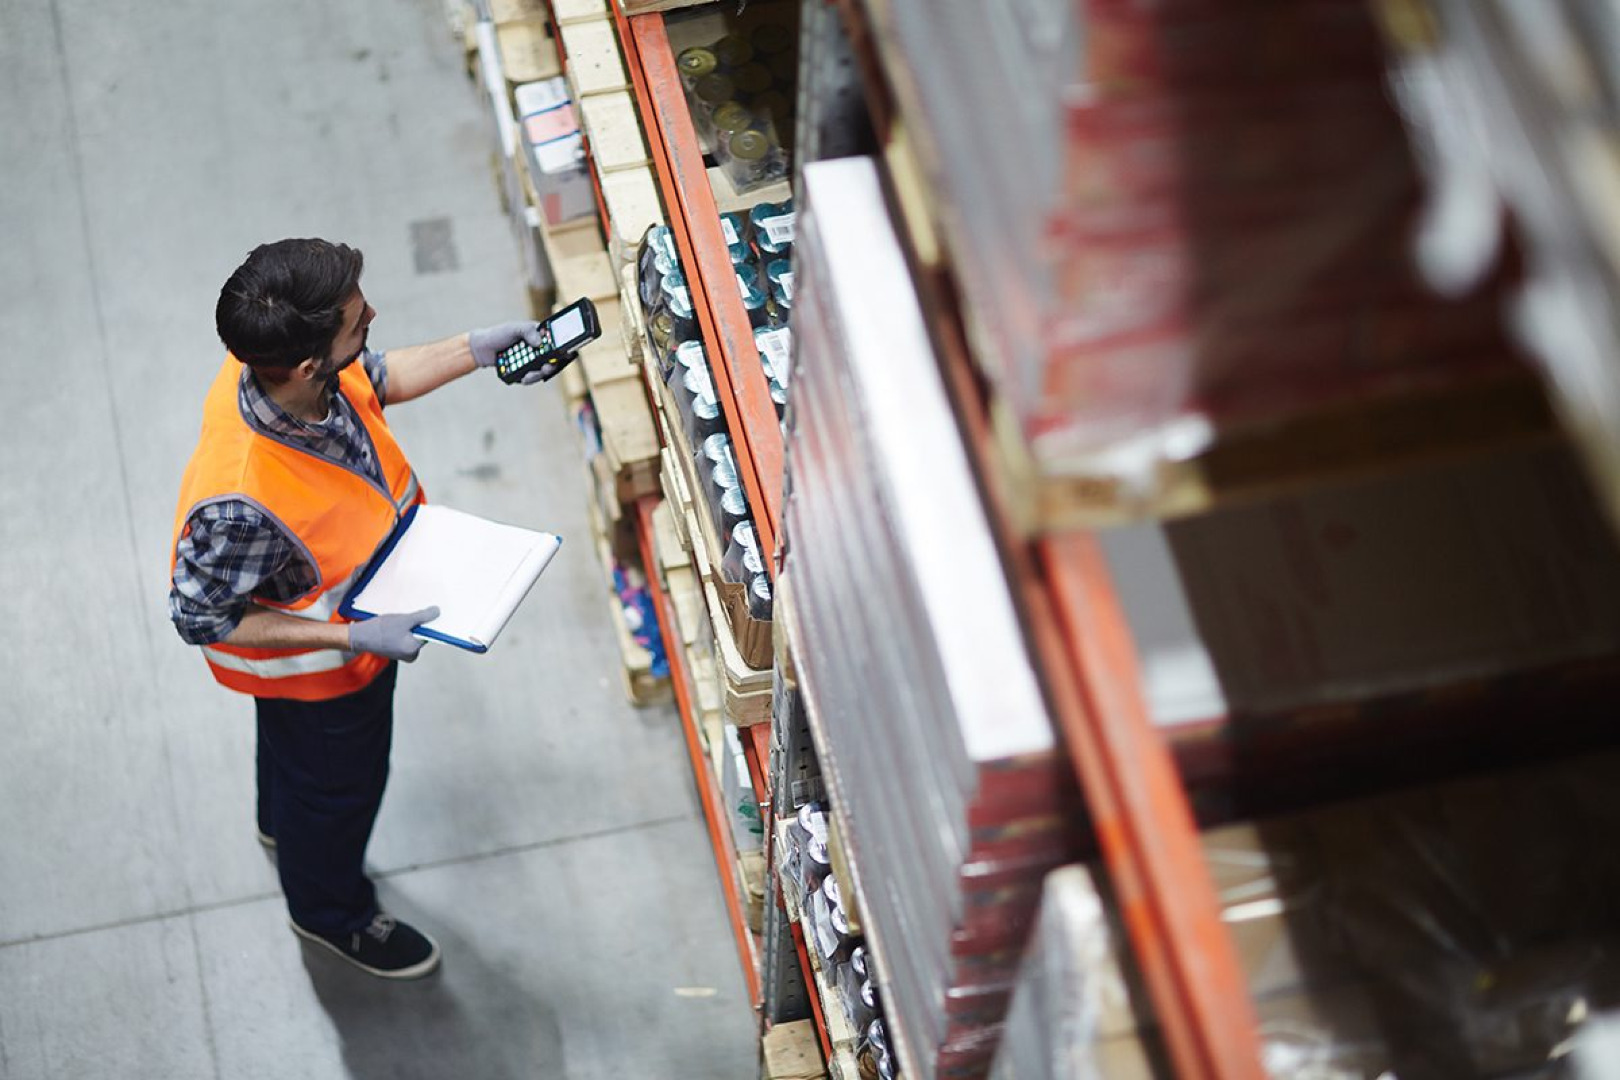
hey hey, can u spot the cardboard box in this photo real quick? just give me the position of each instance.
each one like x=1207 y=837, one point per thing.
x=737 y=788
x=555 y=152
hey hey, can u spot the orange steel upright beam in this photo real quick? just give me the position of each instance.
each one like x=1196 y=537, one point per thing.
x=1140 y=811
x=719 y=835
x=740 y=381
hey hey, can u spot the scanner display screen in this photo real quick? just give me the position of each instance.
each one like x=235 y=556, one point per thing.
x=567 y=328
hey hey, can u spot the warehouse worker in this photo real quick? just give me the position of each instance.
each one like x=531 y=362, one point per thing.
x=295 y=481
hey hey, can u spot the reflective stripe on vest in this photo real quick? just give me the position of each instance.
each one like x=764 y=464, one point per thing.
x=326 y=604
x=281 y=667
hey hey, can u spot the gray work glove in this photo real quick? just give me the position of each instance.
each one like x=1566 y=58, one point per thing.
x=489 y=342
x=390 y=635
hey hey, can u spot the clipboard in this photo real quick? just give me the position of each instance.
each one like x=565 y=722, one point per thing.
x=474 y=570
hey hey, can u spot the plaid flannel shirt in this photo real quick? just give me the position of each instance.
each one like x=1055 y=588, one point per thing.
x=233 y=550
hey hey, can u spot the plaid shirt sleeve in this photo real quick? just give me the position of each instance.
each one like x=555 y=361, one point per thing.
x=230 y=552
x=376 y=365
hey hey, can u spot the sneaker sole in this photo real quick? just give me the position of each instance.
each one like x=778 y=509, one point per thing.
x=415 y=971
x=267 y=840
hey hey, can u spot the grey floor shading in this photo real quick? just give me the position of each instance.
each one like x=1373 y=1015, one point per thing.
x=546 y=831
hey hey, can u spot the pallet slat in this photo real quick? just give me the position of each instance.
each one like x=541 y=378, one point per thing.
x=595 y=65
x=614 y=129
x=633 y=207
x=567 y=11
x=528 y=53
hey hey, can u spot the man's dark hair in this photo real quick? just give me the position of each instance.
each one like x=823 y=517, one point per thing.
x=285 y=303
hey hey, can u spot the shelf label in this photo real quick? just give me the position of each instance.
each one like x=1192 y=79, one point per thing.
x=777 y=347
x=780 y=228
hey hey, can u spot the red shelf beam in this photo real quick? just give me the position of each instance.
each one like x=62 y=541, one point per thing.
x=728 y=336
x=756 y=740
x=725 y=857
x=1140 y=810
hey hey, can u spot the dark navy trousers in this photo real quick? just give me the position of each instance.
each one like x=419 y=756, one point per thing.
x=322 y=769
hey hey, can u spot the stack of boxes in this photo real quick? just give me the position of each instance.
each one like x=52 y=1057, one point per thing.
x=936 y=746
x=1462 y=930
x=1179 y=222
x=554 y=152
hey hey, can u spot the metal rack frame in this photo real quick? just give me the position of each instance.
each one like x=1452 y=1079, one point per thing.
x=740 y=382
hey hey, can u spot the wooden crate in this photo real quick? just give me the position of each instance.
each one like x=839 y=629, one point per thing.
x=838 y=855
x=572 y=384
x=674 y=488
x=692 y=635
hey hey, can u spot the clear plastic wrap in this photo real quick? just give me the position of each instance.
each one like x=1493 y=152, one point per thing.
x=1181 y=220
x=1458 y=931
x=1514 y=108
x=951 y=792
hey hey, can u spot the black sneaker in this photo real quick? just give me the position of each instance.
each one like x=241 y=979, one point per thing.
x=387 y=948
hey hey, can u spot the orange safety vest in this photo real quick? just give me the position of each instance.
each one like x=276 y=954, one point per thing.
x=338 y=517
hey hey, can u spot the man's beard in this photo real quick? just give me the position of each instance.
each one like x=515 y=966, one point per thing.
x=334 y=367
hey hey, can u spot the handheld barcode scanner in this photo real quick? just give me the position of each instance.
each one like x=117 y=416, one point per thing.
x=561 y=337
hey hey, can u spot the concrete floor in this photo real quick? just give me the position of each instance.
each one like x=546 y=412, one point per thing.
x=544 y=830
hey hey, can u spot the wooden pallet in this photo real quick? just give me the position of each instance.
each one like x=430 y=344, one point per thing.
x=641 y=7
x=613 y=128
x=593 y=61
x=528 y=52
x=841 y=1035
x=579 y=260
x=633 y=206
x=692 y=633
x=745 y=691
x=791 y=1052
x=509 y=11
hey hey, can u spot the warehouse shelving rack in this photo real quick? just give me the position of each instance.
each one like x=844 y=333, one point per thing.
x=683 y=185
x=750 y=415
x=1137 y=804
x=694 y=218
x=1140 y=784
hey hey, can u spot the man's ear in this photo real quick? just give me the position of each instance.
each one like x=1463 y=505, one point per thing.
x=307 y=370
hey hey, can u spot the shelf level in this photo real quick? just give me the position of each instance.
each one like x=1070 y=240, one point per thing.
x=725 y=855
x=694 y=219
